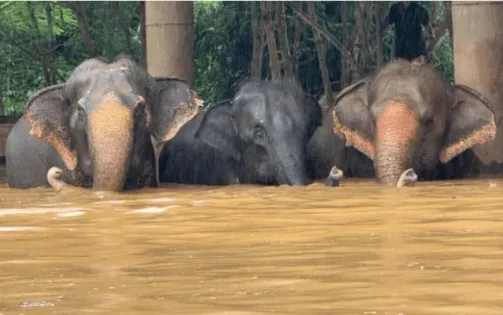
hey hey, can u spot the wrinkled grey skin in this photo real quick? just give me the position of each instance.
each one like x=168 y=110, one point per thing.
x=258 y=138
x=187 y=160
x=407 y=116
x=98 y=127
x=326 y=150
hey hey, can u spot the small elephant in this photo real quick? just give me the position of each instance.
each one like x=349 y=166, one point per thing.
x=259 y=137
x=325 y=150
x=407 y=116
x=99 y=127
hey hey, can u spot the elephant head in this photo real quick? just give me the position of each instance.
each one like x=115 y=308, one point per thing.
x=265 y=128
x=407 y=116
x=103 y=113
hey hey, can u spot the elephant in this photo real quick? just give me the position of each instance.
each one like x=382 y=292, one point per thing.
x=326 y=150
x=258 y=137
x=406 y=115
x=100 y=127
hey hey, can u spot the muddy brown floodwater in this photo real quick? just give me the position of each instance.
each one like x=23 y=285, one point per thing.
x=436 y=248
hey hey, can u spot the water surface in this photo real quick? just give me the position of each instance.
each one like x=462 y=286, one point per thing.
x=436 y=248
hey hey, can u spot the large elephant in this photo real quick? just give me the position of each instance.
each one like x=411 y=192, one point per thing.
x=325 y=150
x=407 y=116
x=257 y=138
x=100 y=127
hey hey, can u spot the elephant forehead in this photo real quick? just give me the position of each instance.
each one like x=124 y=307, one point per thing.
x=398 y=121
x=281 y=119
x=100 y=92
x=252 y=104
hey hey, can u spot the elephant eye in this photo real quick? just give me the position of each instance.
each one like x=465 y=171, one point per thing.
x=81 y=114
x=259 y=132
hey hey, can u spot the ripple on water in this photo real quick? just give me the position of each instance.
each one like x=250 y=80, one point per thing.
x=153 y=209
x=110 y=202
x=20 y=228
x=434 y=249
x=36 y=304
x=70 y=213
x=162 y=199
x=13 y=211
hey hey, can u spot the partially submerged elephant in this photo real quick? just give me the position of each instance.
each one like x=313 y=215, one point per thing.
x=259 y=137
x=407 y=116
x=326 y=150
x=100 y=127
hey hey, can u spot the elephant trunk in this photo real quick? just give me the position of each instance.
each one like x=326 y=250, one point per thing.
x=396 y=131
x=110 y=141
x=291 y=168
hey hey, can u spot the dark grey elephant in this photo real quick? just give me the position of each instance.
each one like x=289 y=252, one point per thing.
x=99 y=128
x=259 y=137
x=326 y=150
x=407 y=116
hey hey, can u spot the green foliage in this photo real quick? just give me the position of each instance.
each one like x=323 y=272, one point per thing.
x=114 y=29
x=16 y=15
x=223 y=46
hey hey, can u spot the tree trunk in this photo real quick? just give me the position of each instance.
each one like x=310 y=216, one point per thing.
x=268 y=18
x=143 y=33
x=49 y=57
x=170 y=39
x=33 y=18
x=258 y=43
x=296 y=46
x=79 y=11
x=478 y=61
x=286 y=59
x=2 y=109
x=357 y=44
x=322 y=60
x=124 y=27
x=345 y=39
x=378 y=20
x=43 y=53
x=448 y=17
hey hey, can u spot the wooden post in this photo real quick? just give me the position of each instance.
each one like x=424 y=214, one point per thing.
x=478 y=60
x=170 y=39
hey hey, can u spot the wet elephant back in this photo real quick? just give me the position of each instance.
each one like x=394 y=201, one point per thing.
x=187 y=160
x=28 y=159
x=325 y=150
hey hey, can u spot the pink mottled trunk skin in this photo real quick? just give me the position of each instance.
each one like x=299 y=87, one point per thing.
x=396 y=131
x=111 y=140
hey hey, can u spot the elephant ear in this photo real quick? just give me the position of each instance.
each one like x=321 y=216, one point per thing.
x=219 y=130
x=472 y=122
x=172 y=104
x=352 y=119
x=47 y=114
